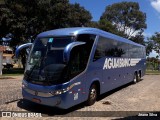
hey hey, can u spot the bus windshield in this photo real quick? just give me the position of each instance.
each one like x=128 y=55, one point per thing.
x=46 y=64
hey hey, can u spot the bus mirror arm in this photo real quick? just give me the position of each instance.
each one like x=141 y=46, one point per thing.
x=68 y=49
x=19 y=48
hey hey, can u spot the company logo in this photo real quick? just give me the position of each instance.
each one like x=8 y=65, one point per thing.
x=20 y=114
x=111 y=63
x=6 y=114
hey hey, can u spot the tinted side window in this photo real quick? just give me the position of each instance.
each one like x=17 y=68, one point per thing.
x=116 y=49
x=110 y=48
x=122 y=49
x=99 y=53
x=136 y=51
x=144 y=52
x=133 y=51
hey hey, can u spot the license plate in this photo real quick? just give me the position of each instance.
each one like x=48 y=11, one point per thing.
x=36 y=100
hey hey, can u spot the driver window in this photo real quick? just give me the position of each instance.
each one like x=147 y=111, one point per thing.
x=80 y=55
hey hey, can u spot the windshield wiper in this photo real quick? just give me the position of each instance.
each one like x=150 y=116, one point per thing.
x=43 y=61
x=44 y=82
x=29 y=74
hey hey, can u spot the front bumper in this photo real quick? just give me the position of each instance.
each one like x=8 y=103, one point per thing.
x=49 y=101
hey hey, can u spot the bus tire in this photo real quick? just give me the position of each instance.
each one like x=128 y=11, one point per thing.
x=139 y=76
x=92 y=95
x=135 y=79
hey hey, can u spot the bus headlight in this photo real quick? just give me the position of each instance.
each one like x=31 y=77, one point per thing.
x=59 y=92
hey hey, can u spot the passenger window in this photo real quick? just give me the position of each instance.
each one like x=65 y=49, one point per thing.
x=99 y=53
x=136 y=51
x=123 y=49
x=110 y=48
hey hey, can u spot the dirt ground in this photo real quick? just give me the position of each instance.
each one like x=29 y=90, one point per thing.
x=141 y=99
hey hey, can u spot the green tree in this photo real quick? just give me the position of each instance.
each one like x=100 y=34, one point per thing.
x=27 y=18
x=156 y=42
x=77 y=16
x=138 y=38
x=153 y=63
x=4 y=21
x=149 y=47
x=93 y=24
x=106 y=26
x=127 y=18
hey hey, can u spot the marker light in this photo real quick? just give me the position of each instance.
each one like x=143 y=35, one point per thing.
x=24 y=84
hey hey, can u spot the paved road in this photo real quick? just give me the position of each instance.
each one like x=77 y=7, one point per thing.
x=143 y=96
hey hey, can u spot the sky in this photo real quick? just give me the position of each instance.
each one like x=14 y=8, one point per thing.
x=150 y=7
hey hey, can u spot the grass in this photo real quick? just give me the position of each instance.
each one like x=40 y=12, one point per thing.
x=9 y=74
x=12 y=75
x=152 y=72
x=13 y=72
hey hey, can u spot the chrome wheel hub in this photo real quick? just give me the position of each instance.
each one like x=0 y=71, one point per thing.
x=93 y=94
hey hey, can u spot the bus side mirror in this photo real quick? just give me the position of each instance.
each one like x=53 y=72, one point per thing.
x=68 y=49
x=21 y=47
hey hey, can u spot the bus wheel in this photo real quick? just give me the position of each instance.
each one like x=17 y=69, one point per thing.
x=139 y=76
x=135 y=80
x=92 y=95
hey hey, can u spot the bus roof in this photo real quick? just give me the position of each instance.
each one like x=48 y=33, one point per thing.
x=85 y=30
